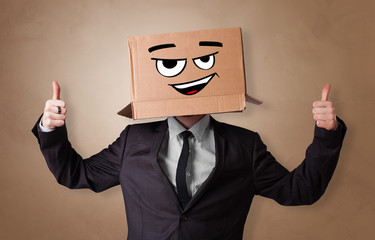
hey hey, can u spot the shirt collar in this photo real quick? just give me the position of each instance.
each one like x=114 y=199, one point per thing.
x=198 y=130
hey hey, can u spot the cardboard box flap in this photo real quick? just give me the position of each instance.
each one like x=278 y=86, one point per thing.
x=127 y=111
x=254 y=100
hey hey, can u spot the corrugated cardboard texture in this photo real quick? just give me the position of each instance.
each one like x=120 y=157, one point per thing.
x=152 y=93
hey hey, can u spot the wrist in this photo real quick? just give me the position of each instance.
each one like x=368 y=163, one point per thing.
x=42 y=128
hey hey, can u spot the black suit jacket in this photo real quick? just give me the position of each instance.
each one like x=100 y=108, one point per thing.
x=218 y=210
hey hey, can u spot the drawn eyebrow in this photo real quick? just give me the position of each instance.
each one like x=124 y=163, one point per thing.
x=158 y=47
x=210 y=44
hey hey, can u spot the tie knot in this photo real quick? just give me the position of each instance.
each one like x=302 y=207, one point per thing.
x=185 y=135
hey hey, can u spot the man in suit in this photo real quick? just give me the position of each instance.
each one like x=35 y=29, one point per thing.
x=226 y=167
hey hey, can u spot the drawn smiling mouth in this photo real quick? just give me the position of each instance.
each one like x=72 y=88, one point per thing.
x=193 y=87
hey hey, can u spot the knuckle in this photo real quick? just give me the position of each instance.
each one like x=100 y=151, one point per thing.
x=50 y=102
x=61 y=103
x=60 y=123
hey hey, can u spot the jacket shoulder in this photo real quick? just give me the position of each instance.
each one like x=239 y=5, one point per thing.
x=232 y=130
x=149 y=126
x=141 y=131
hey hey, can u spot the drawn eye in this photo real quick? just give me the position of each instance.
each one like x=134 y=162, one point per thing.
x=205 y=62
x=170 y=67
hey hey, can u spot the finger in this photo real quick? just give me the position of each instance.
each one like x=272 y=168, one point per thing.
x=60 y=110
x=324 y=117
x=51 y=123
x=55 y=109
x=54 y=116
x=56 y=91
x=325 y=92
x=323 y=104
x=324 y=110
x=58 y=123
x=55 y=103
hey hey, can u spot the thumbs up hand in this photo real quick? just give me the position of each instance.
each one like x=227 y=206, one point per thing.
x=324 y=111
x=54 y=110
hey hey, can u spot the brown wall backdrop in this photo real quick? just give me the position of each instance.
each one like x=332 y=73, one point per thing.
x=291 y=47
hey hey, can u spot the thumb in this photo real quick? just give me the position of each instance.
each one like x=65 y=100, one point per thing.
x=325 y=92
x=56 y=91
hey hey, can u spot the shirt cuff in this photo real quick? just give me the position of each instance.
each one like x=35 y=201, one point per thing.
x=44 y=129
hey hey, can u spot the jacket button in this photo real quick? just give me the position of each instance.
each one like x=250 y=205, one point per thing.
x=184 y=218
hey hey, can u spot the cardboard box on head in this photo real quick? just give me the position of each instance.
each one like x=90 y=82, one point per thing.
x=187 y=73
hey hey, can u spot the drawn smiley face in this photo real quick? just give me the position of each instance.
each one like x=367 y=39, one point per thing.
x=171 y=68
x=186 y=73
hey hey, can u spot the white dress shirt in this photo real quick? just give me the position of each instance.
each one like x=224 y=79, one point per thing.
x=201 y=159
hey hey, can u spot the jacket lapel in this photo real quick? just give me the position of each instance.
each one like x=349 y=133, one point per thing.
x=219 y=164
x=158 y=137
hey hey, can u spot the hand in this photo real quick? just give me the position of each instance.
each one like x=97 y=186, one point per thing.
x=324 y=111
x=54 y=110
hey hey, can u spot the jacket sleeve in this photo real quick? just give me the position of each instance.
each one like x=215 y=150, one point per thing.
x=305 y=184
x=98 y=173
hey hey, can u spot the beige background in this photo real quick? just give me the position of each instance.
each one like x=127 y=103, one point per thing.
x=291 y=47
